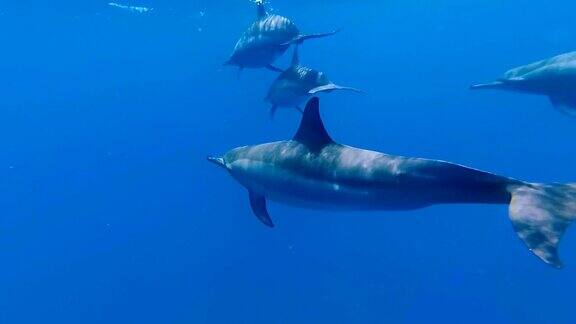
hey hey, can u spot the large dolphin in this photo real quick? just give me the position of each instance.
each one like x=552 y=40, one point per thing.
x=312 y=170
x=297 y=84
x=554 y=77
x=267 y=38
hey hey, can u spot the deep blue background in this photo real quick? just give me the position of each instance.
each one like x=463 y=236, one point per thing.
x=110 y=213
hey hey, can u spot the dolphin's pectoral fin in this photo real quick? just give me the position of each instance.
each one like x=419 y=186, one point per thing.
x=273 y=111
x=311 y=131
x=258 y=204
x=564 y=104
x=273 y=68
x=301 y=38
x=331 y=87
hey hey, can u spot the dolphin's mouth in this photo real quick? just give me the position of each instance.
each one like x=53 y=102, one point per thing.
x=218 y=161
x=499 y=84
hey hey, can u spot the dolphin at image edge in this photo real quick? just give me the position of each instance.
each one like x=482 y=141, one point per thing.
x=554 y=77
x=313 y=171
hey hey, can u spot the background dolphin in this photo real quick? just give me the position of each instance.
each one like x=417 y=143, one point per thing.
x=312 y=170
x=295 y=85
x=554 y=77
x=267 y=38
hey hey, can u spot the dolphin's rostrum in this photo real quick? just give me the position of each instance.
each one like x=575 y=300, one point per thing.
x=297 y=84
x=313 y=171
x=267 y=38
x=554 y=77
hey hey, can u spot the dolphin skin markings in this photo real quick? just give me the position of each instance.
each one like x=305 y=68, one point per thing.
x=297 y=84
x=554 y=77
x=313 y=171
x=267 y=38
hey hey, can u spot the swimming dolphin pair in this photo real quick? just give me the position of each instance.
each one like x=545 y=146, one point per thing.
x=297 y=84
x=267 y=38
x=554 y=77
x=312 y=170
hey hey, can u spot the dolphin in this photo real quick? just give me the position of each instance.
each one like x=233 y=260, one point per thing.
x=267 y=38
x=297 y=84
x=554 y=77
x=313 y=171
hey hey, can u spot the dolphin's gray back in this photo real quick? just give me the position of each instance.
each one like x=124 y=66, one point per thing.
x=561 y=60
x=265 y=32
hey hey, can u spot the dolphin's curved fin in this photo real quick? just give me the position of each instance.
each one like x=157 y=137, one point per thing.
x=565 y=104
x=311 y=131
x=332 y=87
x=260 y=9
x=258 y=204
x=273 y=68
x=301 y=38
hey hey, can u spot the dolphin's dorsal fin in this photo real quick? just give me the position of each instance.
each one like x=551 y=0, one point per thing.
x=260 y=9
x=295 y=57
x=311 y=131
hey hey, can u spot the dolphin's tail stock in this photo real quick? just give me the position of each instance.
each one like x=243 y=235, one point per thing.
x=301 y=38
x=540 y=214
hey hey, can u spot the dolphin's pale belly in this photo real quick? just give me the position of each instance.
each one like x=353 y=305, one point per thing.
x=369 y=181
x=294 y=189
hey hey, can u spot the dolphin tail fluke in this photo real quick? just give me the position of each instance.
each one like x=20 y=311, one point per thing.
x=540 y=214
x=565 y=104
x=482 y=86
x=301 y=38
x=332 y=87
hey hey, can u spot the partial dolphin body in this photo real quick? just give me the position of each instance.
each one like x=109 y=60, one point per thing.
x=297 y=84
x=554 y=77
x=267 y=38
x=313 y=171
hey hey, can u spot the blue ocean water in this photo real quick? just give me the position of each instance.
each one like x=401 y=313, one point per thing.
x=111 y=214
